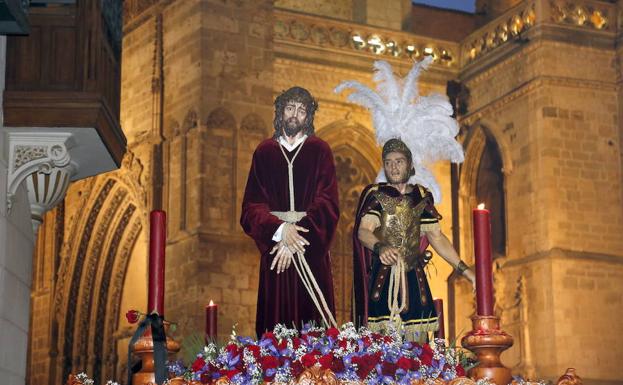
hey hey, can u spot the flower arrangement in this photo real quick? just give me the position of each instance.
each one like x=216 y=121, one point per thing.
x=352 y=355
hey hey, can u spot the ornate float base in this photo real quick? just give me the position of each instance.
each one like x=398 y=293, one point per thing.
x=316 y=375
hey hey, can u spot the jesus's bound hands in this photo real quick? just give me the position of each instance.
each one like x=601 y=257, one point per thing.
x=292 y=239
x=283 y=259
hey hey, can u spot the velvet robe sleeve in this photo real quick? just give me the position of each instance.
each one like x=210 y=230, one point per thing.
x=256 y=219
x=323 y=213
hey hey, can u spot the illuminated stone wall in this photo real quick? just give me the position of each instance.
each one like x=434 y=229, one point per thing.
x=543 y=85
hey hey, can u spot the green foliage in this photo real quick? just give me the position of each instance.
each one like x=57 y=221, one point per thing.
x=466 y=358
x=191 y=345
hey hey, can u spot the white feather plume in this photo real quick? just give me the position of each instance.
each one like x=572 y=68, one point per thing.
x=424 y=123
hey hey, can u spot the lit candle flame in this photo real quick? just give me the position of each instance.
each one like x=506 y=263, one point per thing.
x=481 y=206
x=211 y=303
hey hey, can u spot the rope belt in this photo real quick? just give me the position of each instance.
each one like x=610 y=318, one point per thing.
x=300 y=263
x=397 y=296
x=289 y=216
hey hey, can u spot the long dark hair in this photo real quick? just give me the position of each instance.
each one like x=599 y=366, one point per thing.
x=295 y=94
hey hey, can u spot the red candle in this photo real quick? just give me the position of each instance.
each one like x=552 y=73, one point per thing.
x=484 y=263
x=157 y=242
x=211 y=323
x=441 y=333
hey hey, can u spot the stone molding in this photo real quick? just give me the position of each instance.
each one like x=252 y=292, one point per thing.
x=308 y=30
x=563 y=254
x=42 y=161
x=507 y=27
x=483 y=111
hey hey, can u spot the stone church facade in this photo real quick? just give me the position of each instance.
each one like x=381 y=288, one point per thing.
x=536 y=85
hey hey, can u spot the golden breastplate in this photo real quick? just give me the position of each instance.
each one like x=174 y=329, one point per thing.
x=400 y=224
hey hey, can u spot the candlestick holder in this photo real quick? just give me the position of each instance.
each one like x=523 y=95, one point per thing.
x=144 y=348
x=487 y=341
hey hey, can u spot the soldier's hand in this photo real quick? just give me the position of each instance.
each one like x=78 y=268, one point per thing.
x=389 y=255
x=292 y=239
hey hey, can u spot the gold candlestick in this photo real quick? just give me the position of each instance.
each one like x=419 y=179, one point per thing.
x=487 y=341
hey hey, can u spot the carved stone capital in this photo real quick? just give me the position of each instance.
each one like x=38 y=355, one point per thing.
x=42 y=161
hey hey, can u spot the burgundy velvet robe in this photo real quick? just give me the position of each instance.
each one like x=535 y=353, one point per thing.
x=282 y=298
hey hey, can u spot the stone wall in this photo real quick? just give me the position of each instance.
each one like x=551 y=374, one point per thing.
x=556 y=121
x=16 y=247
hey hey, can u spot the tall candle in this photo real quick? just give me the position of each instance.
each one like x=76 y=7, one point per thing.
x=484 y=263
x=441 y=333
x=157 y=243
x=211 y=321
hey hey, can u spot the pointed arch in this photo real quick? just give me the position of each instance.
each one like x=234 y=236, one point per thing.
x=485 y=147
x=253 y=129
x=486 y=151
x=357 y=159
x=92 y=269
x=352 y=134
x=219 y=147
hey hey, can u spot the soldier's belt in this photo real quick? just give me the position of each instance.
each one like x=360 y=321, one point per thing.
x=379 y=281
x=289 y=216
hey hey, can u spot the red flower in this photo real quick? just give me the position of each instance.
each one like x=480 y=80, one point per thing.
x=296 y=343
x=337 y=366
x=269 y=362
x=389 y=369
x=365 y=364
x=325 y=361
x=205 y=378
x=198 y=364
x=314 y=334
x=297 y=368
x=333 y=333
x=460 y=371
x=255 y=350
x=132 y=316
x=229 y=373
x=404 y=363
x=268 y=335
x=283 y=344
x=309 y=360
x=233 y=349
x=342 y=344
x=366 y=341
x=427 y=355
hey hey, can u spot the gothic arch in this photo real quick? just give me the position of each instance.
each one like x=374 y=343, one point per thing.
x=357 y=158
x=219 y=148
x=253 y=124
x=483 y=138
x=352 y=134
x=94 y=263
x=480 y=138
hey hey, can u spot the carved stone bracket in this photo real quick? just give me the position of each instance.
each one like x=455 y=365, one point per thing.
x=42 y=161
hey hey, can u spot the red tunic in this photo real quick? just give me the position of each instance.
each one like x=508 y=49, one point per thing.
x=282 y=298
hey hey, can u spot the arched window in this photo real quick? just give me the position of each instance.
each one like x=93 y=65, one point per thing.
x=490 y=191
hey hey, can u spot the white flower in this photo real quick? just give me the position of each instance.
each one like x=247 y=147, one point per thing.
x=283 y=375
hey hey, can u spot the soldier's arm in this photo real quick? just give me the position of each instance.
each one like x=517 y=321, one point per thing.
x=369 y=223
x=444 y=248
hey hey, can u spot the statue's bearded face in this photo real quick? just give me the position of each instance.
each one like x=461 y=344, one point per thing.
x=294 y=115
x=397 y=168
